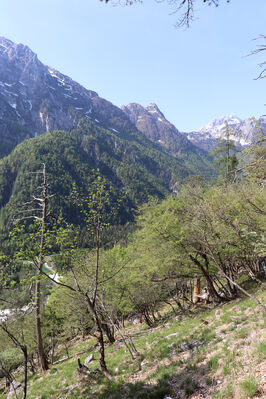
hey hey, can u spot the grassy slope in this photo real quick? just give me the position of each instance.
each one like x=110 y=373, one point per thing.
x=230 y=363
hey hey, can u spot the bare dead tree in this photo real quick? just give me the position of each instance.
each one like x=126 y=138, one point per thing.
x=37 y=209
x=260 y=48
x=23 y=347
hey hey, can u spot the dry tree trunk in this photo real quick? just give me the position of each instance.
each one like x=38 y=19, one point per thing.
x=196 y=291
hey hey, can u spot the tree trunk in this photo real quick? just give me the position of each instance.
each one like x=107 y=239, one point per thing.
x=109 y=333
x=196 y=291
x=25 y=353
x=214 y=294
x=41 y=354
x=101 y=348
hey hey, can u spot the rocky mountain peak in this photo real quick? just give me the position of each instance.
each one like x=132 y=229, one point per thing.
x=153 y=124
x=218 y=124
x=243 y=131
x=152 y=108
x=37 y=99
x=21 y=56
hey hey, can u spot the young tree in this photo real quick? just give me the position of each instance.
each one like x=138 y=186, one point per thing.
x=34 y=251
x=255 y=157
x=97 y=208
x=20 y=344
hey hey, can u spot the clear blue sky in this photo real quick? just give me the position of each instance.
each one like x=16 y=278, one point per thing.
x=134 y=54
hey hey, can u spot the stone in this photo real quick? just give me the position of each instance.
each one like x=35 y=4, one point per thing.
x=15 y=387
x=171 y=335
x=88 y=359
x=190 y=345
x=133 y=319
x=144 y=362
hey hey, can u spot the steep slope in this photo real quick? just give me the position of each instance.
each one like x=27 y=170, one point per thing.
x=244 y=131
x=213 y=353
x=138 y=168
x=153 y=124
x=35 y=98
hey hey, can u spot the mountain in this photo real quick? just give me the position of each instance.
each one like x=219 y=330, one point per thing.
x=153 y=124
x=87 y=132
x=134 y=167
x=244 y=131
x=35 y=99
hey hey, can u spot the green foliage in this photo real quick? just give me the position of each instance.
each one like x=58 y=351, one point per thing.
x=129 y=163
x=261 y=350
x=225 y=155
x=249 y=387
x=213 y=363
x=254 y=157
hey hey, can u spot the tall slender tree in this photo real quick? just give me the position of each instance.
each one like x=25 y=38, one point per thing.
x=225 y=155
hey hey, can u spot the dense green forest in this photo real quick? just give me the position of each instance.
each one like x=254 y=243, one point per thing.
x=134 y=167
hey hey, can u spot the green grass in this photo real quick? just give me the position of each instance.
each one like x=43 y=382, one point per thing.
x=165 y=361
x=213 y=363
x=249 y=387
x=242 y=333
x=226 y=393
x=261 y=351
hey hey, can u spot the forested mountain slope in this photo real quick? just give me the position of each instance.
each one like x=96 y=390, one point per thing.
x=35 y=99
x=153 y=124
x=134 y=167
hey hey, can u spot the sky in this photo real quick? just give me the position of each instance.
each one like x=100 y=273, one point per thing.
x=135 y=54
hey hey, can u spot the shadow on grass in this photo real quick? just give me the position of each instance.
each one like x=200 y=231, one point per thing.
x=191 y=379
x=138 y=390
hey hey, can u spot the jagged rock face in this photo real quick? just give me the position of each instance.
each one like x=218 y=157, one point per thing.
x=36 y=99
x=244 y=131
x=153 y=124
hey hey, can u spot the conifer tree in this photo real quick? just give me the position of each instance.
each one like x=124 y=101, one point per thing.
x=225 y=155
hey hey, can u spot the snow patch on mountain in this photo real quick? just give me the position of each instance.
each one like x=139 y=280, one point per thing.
x=243 y=132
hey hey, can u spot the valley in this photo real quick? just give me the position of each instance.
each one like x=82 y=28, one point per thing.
x=155 y=239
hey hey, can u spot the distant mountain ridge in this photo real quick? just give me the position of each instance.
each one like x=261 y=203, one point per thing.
x=35 y=99
x=88 y=132
x=244 y=131
x=153 y=124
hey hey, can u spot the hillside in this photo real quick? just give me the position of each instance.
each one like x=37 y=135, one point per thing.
x=212 y=353
x=35 y=98
x=153 y=124
x=130 y=163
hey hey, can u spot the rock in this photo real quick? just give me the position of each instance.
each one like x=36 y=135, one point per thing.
x=144 y=362
x=88 y=359
x=133 y=318
x=171 y=335
x=14 y=387
x=190 y=345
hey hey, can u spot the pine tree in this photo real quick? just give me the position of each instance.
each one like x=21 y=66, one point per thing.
x=225 y=155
